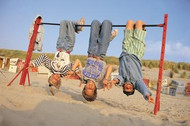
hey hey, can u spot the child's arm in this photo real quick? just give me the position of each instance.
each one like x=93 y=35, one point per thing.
x=106 y=81
x=142 y=88
x=77 y=64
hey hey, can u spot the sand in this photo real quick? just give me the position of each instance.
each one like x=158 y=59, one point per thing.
x=35 y=106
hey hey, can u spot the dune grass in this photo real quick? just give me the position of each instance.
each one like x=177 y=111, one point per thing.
x=108 y=59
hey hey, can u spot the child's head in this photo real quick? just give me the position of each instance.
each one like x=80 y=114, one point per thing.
x=54 y=79
x=128 y=89
x=90 y=91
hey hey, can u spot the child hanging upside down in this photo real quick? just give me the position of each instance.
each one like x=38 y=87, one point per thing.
x=130 y=74
x=60 y=65
x=96 y=72
x=57 y=69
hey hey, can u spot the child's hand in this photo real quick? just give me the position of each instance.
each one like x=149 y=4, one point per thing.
x=113 y=82
x=110 y=85
x=150 y=99
x=70 y=73
x=105 y=83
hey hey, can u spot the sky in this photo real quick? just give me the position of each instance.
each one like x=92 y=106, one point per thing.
x=18 y=15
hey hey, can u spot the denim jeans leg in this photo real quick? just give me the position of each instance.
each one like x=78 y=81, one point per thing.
x=66 y=39
x=70 y=37
x=62 y=34
x=94 y=36
x=104 y=40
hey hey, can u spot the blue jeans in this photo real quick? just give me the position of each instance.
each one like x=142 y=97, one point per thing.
x=66 y=39
x=99 y=38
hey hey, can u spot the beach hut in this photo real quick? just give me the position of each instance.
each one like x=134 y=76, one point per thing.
x=165 y=88
x=13 y=65
x=4 y=62
x=20 y=64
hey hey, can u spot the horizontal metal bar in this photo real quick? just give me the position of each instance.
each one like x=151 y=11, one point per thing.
x=154 y=25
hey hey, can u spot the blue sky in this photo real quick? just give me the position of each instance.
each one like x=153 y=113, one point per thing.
x=17 y=16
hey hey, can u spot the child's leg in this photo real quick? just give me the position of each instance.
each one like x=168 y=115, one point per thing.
x=127 y=43
x=66 y=38
x=62 y=35
x=139 y=24
x=129 y=25
x=104 y=38
x=70 y=36
x=94 y=36
x=139 y=38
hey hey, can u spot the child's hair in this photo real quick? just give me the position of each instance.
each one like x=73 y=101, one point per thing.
x=90 y=98
x=128 y=93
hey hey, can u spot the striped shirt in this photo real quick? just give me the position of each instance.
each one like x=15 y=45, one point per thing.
x=134 y=42
x=52 y=65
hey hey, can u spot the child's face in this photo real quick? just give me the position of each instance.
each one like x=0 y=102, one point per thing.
x=54 y=78
x=128 y=87
x=89 y=88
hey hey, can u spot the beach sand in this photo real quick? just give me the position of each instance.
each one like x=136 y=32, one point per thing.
x=34 y=106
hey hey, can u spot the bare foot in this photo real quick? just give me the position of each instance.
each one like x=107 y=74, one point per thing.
x=113 y=34
x=80 y=22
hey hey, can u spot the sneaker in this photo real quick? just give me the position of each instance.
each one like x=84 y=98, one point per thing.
x=113 y=34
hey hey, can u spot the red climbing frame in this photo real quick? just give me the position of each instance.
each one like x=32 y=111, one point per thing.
x=29 y=55
x=157 y=102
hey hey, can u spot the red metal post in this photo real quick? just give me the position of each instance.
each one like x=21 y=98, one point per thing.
x=28 y=78
x=15 y=77
x=30 y=50
x=157 y=102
